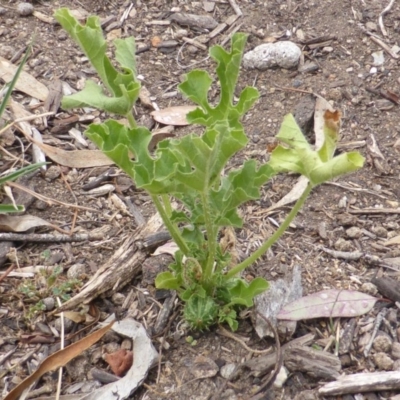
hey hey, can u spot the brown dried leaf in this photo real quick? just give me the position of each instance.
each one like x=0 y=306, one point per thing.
x=21 y=223
x=76 y=158
x=26 y=83
x=144 y=96
x=120 y=361
x=173 y=115
x=57 y=360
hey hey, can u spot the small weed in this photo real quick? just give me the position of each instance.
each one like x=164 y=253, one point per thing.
x=48 y=283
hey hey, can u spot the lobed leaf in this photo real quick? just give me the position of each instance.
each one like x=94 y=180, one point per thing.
x=317 y=166
x=123 y=87
x=198 y=83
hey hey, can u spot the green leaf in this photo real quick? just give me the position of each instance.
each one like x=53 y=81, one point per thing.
x=13 y=82
x=123 y=86
x=243 y=293
x=238 y=187
x=200 y=312
x=198 y=83
x=229 y=316
x=166 y=280
x=9 y=208
x=125 y=53
x=317 y=166
x=20 y=172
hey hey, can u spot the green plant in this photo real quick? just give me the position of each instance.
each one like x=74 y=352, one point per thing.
x=9 y=208
x=191 y=169
x=49 y=283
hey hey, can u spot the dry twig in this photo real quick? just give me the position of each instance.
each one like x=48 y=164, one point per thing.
x=385 y=11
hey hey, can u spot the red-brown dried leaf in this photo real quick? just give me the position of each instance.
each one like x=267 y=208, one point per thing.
x=119 y=361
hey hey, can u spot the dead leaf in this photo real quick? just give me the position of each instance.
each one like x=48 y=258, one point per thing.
x=167 y=248
x=37 y=337
x=21 y=223
x=76 y=158
x=297 y=190
x=160 y=134
x=145 y=358
x=173 y=115
x=53 y=100
x=114 y=34
x=393 y=240
x=331 y=303
x=120 y=361
x=26 y=83
x=19 y=112
x=75 y=316
x=57 y=360
x=144 y=96
x=44 y=17
x=321 y=106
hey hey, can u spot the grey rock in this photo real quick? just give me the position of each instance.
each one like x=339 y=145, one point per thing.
x=25 y=9
x=76 y=271
x=227 y=369
x=49 y=303
x=269 y=55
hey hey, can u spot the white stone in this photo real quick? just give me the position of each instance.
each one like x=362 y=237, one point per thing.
x=280 y=54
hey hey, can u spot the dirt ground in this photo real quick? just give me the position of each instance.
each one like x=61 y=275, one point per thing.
x=338 y=65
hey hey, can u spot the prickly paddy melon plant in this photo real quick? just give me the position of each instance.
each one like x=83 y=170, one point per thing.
x=190 y=170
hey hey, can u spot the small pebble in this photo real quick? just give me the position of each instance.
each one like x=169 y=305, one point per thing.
x=268 y=55
x=371 y=26
x=281 y=378
x=379 y=231
x=68 y=325
x=118 y=299
x=396 y=350
x=53 y=173
x=382 y=343
x=227 y=370
x=49 y=303
x=126 y=344
x=354 y=232
x=24 y=9
x=369 y=288
x=396 y=365
x=343 y=245
x=3 y=11
x=297 y=83
x=383 y=361
x=76 y=271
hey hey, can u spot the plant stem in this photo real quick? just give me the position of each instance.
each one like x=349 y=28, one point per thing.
x=131 y=120
x=278 y=233
x=211 y=238
x=172 y=229
x=167 y=204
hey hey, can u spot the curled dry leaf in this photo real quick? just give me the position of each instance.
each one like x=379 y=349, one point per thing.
x=120 y=361
x=173 y=115
x=21 y=223
x=26 y=83
x=76 y=158
x=144 y=96
x=328 y=304
x=57 y=360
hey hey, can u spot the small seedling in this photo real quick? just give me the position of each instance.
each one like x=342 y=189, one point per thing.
x=191 y=170
x=48 y=283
